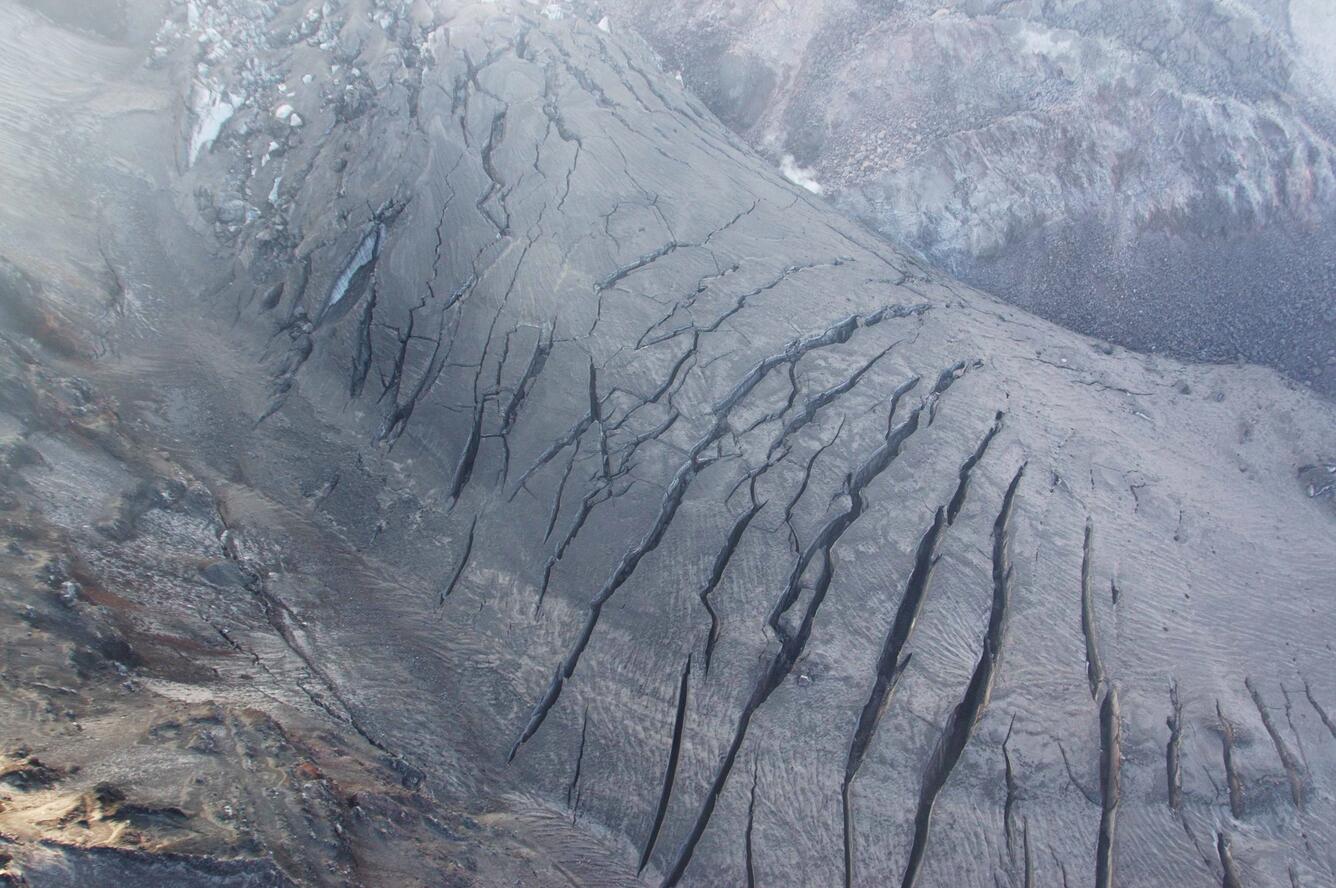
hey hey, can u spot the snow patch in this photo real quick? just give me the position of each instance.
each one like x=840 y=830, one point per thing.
x=554 y=11
x=366 y=253
x=604 y=25
x=1313 y=23
x=212 y=109
x=800 y=176
x=1044 y=41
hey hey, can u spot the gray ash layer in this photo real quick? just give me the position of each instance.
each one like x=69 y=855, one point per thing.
x=434 y=450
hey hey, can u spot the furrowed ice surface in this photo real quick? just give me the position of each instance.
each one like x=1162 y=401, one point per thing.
x=506 y=477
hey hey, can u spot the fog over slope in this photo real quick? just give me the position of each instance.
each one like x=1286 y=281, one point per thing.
x=1160 y=174
x=435 y=450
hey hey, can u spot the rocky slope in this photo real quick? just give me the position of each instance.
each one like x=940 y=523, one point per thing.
x=1160 y=174
x=436 y=452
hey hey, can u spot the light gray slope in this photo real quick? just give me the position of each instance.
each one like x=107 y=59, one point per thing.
x=421 y=480
x=1159 y=174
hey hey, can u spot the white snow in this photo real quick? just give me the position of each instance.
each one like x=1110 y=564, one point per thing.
x=366 y=251
x=1313 y=23
x=284 y=111
x=1044 y=41
x=604 y=25
x=553 y=11
x=801 y=176
x=212 y=110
